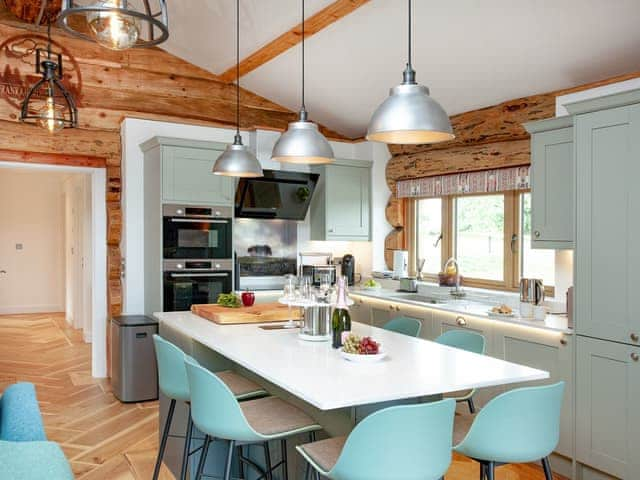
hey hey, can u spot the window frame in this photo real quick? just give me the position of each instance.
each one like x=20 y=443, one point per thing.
x=512 y=246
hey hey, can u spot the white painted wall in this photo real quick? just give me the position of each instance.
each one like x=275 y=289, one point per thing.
x=369 y=255
x=31 y=214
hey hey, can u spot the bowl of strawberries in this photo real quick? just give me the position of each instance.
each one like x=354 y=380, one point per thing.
x=361 y=349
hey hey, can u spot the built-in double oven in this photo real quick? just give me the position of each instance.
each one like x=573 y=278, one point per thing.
x=197 y=251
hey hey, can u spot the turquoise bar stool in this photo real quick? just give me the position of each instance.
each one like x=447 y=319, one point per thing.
x=519 y=426
x=471 y=342
x=218 y=414
x=405 y=442
x=404 y=325
x=173 y=383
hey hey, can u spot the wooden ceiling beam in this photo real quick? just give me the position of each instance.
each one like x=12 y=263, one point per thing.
x=291 y=38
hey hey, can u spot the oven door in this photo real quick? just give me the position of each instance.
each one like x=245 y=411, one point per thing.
x=183 y=289
x=196 y=238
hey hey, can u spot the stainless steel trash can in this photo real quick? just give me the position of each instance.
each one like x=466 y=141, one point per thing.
x=134 y=373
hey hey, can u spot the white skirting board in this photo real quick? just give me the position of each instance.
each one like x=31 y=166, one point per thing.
x=18 y=309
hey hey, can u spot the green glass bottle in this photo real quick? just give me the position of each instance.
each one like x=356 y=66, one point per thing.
x=341 y=320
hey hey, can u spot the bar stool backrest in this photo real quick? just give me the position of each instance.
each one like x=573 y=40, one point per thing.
x=407 y=441
x=464 y=340
x=522 y=425
x=404 y=325
x=214 y=408
x=172 y=375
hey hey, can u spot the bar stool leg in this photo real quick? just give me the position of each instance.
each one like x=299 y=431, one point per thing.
x=163 y=441
x=240 y=462
x=267 y=459
x=548 y=475
x=491 y=471
x=472 y=406
x=285 y=466
x=227 y=467
x=187 y=447
x=203 y=457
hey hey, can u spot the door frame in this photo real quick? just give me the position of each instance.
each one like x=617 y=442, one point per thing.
x=96 y=169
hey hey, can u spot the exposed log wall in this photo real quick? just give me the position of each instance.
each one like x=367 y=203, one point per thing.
x=140 y=83
x=491 y=137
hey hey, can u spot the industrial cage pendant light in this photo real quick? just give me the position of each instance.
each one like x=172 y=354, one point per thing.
x=48 y=103
x=409 y=115
x=302 y=142
x=116 y=24
x=237 y=160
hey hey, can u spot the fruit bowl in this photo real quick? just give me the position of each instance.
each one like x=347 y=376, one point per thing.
x=363 y=358
x=363 y=350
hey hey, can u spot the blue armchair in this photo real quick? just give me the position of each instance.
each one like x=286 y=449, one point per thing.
x=25 y=453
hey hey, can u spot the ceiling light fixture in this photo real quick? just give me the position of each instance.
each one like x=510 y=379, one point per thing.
x=409 y=115
x=116 y=24
x=48 y=103
x=302 y=142
x=237 y=160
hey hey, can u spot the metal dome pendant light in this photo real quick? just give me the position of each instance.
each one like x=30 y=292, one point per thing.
x=237 y=160
x=48 y=103
x=116 y=24
x=409 y=115
x=302 y=142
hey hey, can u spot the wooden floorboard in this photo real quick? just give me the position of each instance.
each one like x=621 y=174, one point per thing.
x=103 y=438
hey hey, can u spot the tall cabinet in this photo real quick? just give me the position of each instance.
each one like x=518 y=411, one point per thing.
x=607 y=275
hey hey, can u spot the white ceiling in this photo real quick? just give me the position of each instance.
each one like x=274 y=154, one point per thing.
x=471 y=53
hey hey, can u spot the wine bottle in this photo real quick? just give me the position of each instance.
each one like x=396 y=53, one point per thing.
x=341 y=320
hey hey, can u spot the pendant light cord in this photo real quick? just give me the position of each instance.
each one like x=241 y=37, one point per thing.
x=303 y=107
x=409 y=74
x=237 y=70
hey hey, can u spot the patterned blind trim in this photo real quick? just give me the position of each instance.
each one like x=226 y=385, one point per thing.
x=499 y=180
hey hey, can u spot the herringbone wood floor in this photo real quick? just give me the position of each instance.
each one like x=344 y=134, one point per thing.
x=103 y=438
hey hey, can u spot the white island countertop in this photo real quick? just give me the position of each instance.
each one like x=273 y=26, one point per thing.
x=317 y=374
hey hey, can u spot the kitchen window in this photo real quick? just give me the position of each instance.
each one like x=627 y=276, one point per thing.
x=488 y=234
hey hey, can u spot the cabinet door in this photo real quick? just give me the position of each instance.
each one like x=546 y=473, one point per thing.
x=549 y=351
x=381 y=315
x=608 y=233
x=552 y=189
x=347 y=202
x=187 y=177
x=360 y=311
x=607 y=414
x=444 y=321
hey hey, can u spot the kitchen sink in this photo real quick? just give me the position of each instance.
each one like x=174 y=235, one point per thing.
x=416 y=297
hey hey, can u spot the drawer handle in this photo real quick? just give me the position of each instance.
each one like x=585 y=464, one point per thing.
x=634 y=337
x=635 y=357
x=563 y=341
x=390 y=307
x=461 y=321
x=397 y=308
x=537 y=233
x=331 y=230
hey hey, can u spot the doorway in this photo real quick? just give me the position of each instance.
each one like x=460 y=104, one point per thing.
x=53 y=247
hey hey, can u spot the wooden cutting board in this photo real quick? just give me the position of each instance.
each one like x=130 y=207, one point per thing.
x=262 y=313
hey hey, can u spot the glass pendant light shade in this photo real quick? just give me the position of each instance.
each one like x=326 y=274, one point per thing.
x=302 y=143
x=117 y=31
x=116 y=24
x=237 y=161
x=410 y=116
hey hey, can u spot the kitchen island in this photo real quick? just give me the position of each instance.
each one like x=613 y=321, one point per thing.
x=314 y=377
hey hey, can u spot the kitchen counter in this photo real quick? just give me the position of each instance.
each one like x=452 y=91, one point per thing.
x=317 y=374
x=462 y=306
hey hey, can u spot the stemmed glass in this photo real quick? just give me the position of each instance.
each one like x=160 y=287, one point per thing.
x=290 y=295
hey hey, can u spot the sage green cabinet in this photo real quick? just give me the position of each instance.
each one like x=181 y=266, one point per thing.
x=547 y=351
x=608 y=226
x=607 y=413
x=186 y=171
x=360 y=312
x=341 y=204
x=552 y=183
